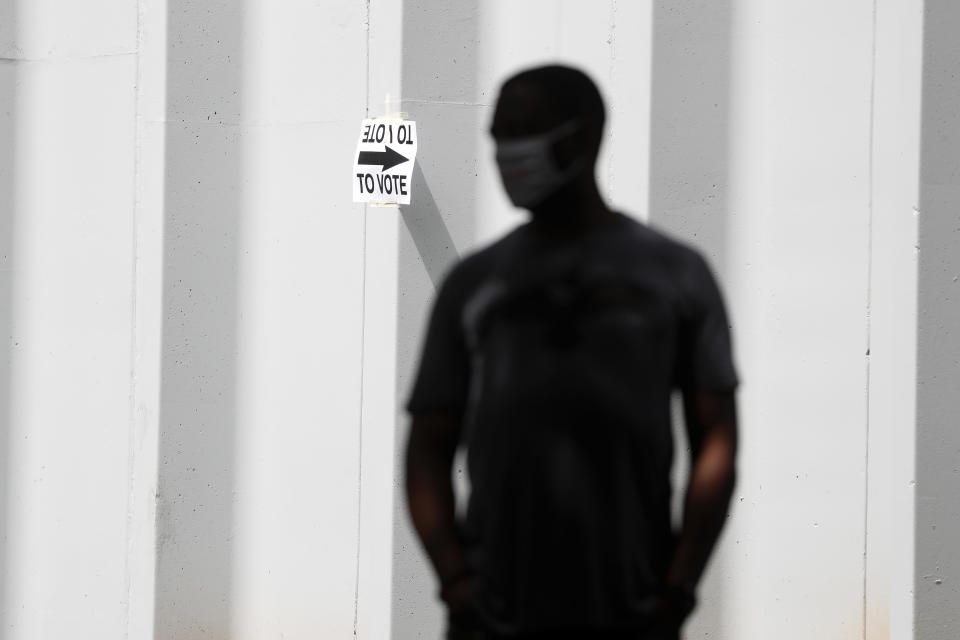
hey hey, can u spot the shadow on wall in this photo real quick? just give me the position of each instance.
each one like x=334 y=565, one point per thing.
x=8 y=146
x=689 y=175
x=689 y=121
x=937 y=526
x=439 y=84
x=428 y=231
x=198 y=368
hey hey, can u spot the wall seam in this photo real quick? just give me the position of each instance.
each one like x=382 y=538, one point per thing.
x=870 y=207
x=447 y=102
x=134 y=272
x=363 y=329
x=80 y=58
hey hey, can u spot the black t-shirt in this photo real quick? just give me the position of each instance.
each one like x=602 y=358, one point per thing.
x=560 y=356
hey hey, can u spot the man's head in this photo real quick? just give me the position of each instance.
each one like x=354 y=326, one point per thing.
x=548 y=124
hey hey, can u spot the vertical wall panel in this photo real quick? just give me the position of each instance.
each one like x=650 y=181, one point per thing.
x=627 y=87
x=937 y=578
x=8 y=182
x=382 y=296
x=893 y=320
x=797 y=242
x=148 y=221
x=300 y=308
x=260 y=401
x=199 y=333
x=689 y=158
x=67 y=310
x=60 y=29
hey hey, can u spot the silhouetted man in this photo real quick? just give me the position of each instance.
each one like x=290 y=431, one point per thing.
x=551 y=356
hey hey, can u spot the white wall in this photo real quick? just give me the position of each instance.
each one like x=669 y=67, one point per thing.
x=889 y=583
x=297 y=464
x=381 y=298
x=798 y=236
x=168 y=195
x=209 y=346
x=263 y=316
x=67 y=143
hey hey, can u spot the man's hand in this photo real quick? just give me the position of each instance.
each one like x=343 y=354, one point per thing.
x=462 y=620
x=712 y=431
x=673 y=608
x=429 y=461
x=458 y=595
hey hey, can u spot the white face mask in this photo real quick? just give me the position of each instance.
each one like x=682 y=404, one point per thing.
x=528 y=169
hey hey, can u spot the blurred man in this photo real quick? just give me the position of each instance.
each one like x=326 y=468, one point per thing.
x=551 y=356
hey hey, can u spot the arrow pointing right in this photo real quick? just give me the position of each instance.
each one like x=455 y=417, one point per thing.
x=388 y=158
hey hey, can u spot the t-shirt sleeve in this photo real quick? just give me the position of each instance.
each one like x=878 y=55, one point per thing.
x=442 y=378
x=705 y=353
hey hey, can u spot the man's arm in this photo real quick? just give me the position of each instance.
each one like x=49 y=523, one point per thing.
x=712 y=430
x=429 y=459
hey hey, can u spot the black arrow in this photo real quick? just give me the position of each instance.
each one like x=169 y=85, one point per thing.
x=388 y=158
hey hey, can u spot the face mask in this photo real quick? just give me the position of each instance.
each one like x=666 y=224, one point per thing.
x=528 y=169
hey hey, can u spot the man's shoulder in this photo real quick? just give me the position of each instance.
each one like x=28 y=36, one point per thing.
x=687 y=268
x=672 y=253
x=484 y=258
x=480 y=262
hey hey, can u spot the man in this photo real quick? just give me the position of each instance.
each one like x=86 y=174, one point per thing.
x=551 y=356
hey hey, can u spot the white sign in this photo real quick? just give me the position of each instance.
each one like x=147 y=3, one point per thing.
x=383 y=164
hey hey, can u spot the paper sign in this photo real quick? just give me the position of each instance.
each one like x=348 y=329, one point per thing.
x=383 y=164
